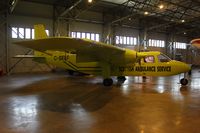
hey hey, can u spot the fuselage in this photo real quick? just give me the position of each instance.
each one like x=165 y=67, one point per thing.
x=151 y=64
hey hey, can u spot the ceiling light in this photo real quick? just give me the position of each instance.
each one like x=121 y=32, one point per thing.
x=161 y=6
x=182 y=20
x=146 y=13
x=90 y=1
x=13 y=2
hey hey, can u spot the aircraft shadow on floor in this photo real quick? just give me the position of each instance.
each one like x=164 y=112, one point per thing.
x=61 y=95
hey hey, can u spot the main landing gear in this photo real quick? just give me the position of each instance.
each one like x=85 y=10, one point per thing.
x=121 y=79
x=107 y=82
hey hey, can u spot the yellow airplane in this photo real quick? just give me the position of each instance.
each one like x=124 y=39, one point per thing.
x=96 y=58
x=196 y=43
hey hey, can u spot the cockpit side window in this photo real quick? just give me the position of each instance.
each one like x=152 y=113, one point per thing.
x=149 y=59
x=163 y=58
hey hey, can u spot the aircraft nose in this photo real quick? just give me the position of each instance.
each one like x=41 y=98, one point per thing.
x=186 y=67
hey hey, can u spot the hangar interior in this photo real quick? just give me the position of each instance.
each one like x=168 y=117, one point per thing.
x=148 y=24
x=30 y=103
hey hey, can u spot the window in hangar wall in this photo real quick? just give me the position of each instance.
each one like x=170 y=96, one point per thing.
x=125 y=40
x=86 y=35
x=156 y=43
x=24 y=33
x=180 y=45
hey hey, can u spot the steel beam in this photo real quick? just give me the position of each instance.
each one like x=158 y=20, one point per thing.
x=70 y=8
x=13 y=5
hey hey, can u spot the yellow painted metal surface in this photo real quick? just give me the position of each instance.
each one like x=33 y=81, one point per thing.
x=97 y=58
x=68 y=61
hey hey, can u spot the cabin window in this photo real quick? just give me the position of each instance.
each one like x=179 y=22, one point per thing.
x=149 y=59
x=163 y=58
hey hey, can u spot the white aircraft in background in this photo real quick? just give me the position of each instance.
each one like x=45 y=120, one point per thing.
x=196 y=43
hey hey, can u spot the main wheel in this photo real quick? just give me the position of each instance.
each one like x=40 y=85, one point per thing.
x=121 y=78
x=107 y=82
x=184 y=81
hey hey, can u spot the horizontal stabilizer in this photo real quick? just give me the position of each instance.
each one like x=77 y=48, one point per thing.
x=26 y=56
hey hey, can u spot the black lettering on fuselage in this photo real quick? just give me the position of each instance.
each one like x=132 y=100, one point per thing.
x=163 y=68
x=145 y=69
x=138 y=69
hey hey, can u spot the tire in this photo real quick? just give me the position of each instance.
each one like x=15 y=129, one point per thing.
x=184 y=81
x=107 y=82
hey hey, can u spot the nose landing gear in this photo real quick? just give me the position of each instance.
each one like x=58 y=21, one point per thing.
x=184 y=81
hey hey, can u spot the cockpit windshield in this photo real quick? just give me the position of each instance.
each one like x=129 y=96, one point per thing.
x=163 y=58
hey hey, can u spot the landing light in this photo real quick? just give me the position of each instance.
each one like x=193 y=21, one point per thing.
x=146 y=13
x=161 y=6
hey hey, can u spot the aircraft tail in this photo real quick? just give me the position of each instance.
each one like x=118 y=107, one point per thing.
x=37 y=56
x=40 y=32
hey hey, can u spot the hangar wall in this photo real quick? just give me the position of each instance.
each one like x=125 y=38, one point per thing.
x=3 y=42
x=25 y=15
x=86 y=27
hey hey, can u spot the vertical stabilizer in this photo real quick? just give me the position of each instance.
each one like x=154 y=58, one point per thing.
x=40 y=32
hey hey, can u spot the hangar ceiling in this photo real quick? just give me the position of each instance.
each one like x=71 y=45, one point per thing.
x=176 y=16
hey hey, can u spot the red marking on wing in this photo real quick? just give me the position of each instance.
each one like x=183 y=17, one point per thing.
x=195 y=41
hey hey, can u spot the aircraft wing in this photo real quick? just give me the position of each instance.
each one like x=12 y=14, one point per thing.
x=82 y=47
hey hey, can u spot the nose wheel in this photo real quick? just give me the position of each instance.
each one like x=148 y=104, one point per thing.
x=107 y=82
x=184 y=81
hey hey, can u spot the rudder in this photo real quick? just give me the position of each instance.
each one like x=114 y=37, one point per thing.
x=40 y=32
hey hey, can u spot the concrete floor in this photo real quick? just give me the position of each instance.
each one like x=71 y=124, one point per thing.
x=57 y=103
